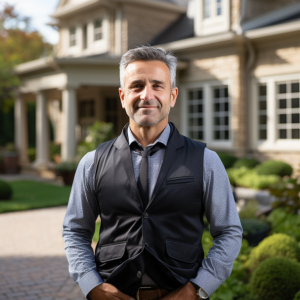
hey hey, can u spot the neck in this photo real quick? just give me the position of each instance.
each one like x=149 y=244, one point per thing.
x=147 y=135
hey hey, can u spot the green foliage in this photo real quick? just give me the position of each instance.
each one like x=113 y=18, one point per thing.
x=96 y=233
x=276 y=245
x=251 y=226
x=284 y=222
x=246 y=162
x=10 y=147
x=98 y=133
x=207 y=241
x=297 y=296
x=31 y=195
x=249 y=210
x=287 y=194
x=66 y=166
x=273 y=167
x=227 y=159
x=249 y=178
x=276 y=278
x=31 y=152
x=55 y=149
x=5 y=190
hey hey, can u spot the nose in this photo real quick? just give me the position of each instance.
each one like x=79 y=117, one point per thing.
x=147 y=93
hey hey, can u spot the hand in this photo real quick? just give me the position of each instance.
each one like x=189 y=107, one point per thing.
x=106 y=291
x=184 y=292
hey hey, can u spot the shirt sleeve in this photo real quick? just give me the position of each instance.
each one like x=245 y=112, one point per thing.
x=225 y=225
x=79 y=226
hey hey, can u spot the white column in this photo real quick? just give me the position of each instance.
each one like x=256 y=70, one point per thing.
x=42 y=131
x=118 y=32
x=69 y=107
x=21 y=132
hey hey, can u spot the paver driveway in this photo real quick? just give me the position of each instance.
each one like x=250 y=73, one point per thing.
x=33 y=264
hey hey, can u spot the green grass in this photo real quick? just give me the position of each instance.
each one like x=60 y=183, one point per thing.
x=96 y=234
x=32 y=194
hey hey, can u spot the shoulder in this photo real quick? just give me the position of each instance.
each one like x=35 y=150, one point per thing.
x=212 y=162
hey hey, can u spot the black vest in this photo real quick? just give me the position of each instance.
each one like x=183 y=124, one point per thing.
x=163 y=239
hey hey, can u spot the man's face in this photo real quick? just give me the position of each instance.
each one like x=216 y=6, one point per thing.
x=147 y=96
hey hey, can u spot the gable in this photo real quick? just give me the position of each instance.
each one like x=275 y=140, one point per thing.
x=69 y=2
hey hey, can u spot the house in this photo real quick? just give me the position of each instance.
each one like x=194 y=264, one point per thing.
x=238 y=73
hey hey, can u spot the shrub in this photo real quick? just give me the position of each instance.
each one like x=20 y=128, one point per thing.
x=66 y=166
x=246 y=162
x=276 y=278
x=297 y=296
x=251 y=226
x=227 y=159
x=5 y=190
x=55 y=149
x=249 y=210
x=273 y=167
x=234 y=174
x=31 y=152
x=255 y=181
x=274 y=246
x=284 y=222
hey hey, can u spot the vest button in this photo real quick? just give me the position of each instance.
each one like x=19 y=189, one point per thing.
x=146 y=215
x=139 y=274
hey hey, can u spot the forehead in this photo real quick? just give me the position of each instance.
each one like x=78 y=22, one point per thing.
x=142 y=68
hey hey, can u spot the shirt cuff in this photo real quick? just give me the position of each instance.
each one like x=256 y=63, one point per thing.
x=208 y=282
x=89 y=281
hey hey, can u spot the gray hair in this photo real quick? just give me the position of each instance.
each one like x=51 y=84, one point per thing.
x=148 y=53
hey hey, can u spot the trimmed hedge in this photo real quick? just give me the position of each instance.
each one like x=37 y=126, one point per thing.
x=297 y=296
x=5 y=190
x=276 y=245
x=273 y=167
x=227 y=159
x=276 y=278
x=247 y=163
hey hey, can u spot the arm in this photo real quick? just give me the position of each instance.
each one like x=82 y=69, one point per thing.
x=225 y=226
x=79 y=227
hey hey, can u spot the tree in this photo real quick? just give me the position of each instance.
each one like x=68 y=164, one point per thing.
x=19 y=43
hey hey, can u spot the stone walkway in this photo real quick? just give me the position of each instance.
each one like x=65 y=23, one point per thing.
x=33 y=264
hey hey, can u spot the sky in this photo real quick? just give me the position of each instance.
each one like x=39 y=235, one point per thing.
x=39 y=11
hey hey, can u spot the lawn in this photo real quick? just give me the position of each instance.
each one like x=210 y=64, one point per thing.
x=32 y=194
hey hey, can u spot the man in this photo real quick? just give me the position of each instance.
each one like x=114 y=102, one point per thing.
x=151 y=187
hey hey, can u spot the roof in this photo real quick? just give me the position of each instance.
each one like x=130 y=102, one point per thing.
x=181 y=29
x=183 y=3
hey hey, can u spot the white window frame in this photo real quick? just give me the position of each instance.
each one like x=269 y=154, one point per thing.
x=98 y=30
x=73 y=36
x=208 y=132
x=272 y=143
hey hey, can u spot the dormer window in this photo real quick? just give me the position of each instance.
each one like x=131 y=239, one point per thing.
x=72 y=34
x=98 y=29
x=212 y=8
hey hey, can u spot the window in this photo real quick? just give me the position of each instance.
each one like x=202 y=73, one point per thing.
x=87 y=108
x=85 y=36
x=72 y=33
x=196 y=114
x=219 y=7
x=221 y=113
x=262 y=112
x=98 y=30
x=206 y=9
x=112 y=111
x=288 y=110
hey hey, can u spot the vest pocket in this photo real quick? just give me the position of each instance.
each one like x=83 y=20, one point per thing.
x=112 y=251
x=182 y=251
x=179 y=180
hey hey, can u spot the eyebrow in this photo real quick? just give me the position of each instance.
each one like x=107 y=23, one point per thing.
x=152 y=81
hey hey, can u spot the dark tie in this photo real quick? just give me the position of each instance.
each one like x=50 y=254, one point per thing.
x=143 y=178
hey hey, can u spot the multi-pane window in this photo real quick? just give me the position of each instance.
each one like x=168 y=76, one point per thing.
x=112 y=111
x=207 y=8
x=288 y=110
x=219 y=7
x=85 y=36
x=87 y=108
x=221 y=113
x=72 y=34
x=98 y=29
x=196 y=114
x=262 y=112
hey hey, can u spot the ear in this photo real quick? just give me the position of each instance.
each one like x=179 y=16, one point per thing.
x=122 y=97
x=174 y=96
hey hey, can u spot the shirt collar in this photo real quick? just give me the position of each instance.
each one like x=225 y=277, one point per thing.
x=163 y=138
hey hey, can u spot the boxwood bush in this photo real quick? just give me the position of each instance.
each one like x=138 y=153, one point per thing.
x=246 y=162
x=276 y=278
x=5 y=190
x=273 y=167
x=227 y=159
x=297 y=296
x=276 y=245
